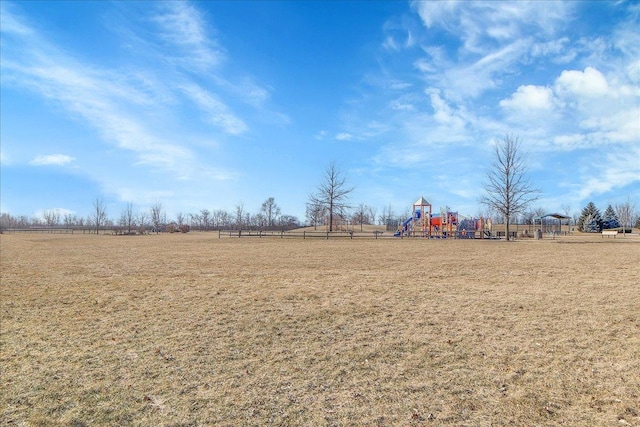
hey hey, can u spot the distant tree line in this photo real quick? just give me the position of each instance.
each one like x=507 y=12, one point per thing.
x=154 y=219
x=269 y=217
x=507 y=197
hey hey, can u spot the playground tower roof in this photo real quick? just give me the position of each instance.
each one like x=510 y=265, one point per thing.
x=422 y=202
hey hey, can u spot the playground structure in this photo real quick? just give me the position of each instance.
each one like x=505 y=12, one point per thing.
x=447 y=224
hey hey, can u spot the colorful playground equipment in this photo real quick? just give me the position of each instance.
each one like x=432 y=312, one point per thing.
x=447 y=224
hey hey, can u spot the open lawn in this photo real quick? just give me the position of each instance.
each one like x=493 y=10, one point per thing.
x=189 y=329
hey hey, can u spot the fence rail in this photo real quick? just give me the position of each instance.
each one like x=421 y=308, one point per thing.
x=259 y=234
x=278 y=234
x=46 y=230
x=303 y=234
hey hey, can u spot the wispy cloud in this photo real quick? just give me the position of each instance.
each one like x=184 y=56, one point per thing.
x=481 y=26
x=472 y=51
x=10 y=23
x=125 y=109
x=98 y=96
x=618 y=170
x=494 y=37
x=215 y=111
x=344 y=136
x=182 y=27
x=52 y=160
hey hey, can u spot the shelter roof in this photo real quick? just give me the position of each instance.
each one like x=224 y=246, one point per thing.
x=555 y=215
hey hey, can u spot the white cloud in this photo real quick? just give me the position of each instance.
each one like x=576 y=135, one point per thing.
x=183 y=27
x=617 y=170
x=617 y=126
x=130 y=110
x=321 y=135
x=559 y=50
x=569 y=142
x=444 y=115
x=398 y=104
x=481 y=25
x=344 y=136
x=529 y=97
x=52 y=160
x=399 y=85
x=99 y=99
x=4 y=159
x=472 y=79
x=399 y=35
x=390 y=44
x=588 y=83
x=10 y=23
x=495 y=38
x=216 y=112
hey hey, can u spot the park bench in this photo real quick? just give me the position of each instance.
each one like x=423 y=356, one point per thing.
x=608 y=233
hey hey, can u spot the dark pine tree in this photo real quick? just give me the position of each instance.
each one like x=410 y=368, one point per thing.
x=610 y=218
x=591 y=224
x=592 y=214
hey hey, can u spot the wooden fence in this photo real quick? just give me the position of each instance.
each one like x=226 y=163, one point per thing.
x=304 y=234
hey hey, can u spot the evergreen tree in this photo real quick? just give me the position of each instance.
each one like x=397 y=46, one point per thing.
x=591 y=213
x=591 y=224
x=610 y=218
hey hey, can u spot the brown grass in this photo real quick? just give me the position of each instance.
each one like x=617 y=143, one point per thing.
x=180 y=330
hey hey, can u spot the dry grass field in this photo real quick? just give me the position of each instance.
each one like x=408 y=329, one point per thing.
x=189 y=329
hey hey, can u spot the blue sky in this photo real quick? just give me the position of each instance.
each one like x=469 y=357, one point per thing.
x=207 y=105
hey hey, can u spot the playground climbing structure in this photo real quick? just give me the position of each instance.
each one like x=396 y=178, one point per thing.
x=446 y=224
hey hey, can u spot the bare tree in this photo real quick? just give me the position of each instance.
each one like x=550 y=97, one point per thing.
x=508 y=191
x=195 y=221
x=315 y=214
x=98 y=214
x=128 y=218
x=239 y=215
x=260 y=220
x=386 y=216
x=361 y=215
x=180 y=219
x=7 y=221
x=51 y=217
x=69 y=220
x=538 y=212
x=219 y=218
x=271 y=211
x=156 y=216
x=143 y=219
x=373 y=212
x=626 y=212
x=247 y=221
x=288 y=221
x=205 y=217
x=333 y=193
